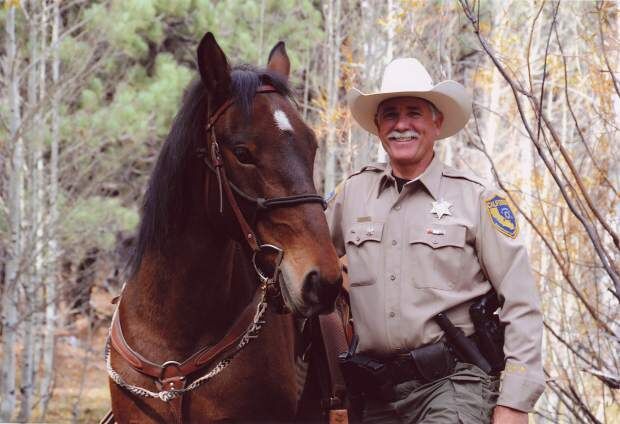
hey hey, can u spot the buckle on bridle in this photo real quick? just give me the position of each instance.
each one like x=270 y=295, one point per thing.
x=264 y=279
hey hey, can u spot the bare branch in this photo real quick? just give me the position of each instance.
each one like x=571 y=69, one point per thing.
x=591 y=232
x=599 y=8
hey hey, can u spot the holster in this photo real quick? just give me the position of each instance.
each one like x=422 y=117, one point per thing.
x=363 y=374
x=367 y=375
x=489 y=331
x=434 y=361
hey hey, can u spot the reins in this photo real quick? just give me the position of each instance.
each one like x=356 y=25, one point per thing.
x=171 y=376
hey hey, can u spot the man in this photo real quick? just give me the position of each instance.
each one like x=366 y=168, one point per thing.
x=423 y=238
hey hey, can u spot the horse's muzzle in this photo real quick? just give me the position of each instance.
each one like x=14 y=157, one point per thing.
x=320 y=294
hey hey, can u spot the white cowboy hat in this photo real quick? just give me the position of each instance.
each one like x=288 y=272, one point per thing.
x=407 y=77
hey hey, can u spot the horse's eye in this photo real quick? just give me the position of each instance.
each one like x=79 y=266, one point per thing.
x=243 y=154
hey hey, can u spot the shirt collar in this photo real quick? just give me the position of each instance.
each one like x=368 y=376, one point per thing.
x=430 y=178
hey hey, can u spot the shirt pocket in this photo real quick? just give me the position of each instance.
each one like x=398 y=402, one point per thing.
x=437 y=254
x=363 y=247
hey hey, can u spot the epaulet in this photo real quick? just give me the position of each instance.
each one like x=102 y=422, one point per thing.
x=466 y=175
x=375 y=167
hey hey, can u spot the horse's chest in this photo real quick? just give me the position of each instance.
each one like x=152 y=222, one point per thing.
x=254 y=387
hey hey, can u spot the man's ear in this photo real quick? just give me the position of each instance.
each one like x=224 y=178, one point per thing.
x=438 y=121
x=213 y=66
x=278 y=61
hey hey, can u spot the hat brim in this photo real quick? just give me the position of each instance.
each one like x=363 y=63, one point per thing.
x=449 y=97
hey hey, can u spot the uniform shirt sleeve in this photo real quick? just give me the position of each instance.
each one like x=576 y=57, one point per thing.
x=334 y=218
x=503 y=257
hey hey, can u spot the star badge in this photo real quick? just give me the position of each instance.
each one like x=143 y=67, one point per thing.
x=441 y=208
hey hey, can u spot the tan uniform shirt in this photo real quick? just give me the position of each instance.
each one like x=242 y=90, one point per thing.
x=407 y=264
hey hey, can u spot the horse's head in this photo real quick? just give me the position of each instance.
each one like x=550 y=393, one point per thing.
x=268 y=152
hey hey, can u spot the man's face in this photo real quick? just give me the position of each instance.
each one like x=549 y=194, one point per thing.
x=408 y=132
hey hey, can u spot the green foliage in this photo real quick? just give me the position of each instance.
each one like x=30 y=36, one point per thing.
x=129 y=25
x=178 y=8
x=94 y=221
x=142 y=107
x=113 y=121
x=72 y=48
x=237 y=26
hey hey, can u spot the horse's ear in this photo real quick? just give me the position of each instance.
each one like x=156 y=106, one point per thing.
x=278 y=60
x=213 y=66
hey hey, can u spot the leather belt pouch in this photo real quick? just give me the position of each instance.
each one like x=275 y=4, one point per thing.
x=433 y=361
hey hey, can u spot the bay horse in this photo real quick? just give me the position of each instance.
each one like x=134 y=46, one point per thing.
x=186 y=343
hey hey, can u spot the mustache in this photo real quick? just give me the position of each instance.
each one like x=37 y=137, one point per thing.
x=404 y=134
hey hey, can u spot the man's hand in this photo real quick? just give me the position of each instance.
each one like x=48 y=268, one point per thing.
x=506 y=415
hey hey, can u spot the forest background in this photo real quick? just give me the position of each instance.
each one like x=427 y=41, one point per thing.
x=89 y=90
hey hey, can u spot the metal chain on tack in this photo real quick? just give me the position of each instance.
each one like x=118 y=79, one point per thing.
x=167 y=395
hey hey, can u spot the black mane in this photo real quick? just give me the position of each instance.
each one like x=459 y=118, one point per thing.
x=167 y=196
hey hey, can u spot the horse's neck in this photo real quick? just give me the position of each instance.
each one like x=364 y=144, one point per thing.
x=186 y=297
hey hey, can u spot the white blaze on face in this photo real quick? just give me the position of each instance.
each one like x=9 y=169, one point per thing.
x=282 y=121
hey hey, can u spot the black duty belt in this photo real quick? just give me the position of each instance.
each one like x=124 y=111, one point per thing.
x=427 y=363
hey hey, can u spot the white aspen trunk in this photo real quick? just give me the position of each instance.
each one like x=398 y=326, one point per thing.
x=489 y=131
x=12 y=278
x=49 y=345
x=389 y=56
x=32 y=276
x=527 y=181
x=39 y=207
x=614 y=60
x=328 y=174
x=333 y=77
x=374 y=51
x=261 y=37
x=37 y=312
x=445 y=60
x=306 y=83
x=390 y=29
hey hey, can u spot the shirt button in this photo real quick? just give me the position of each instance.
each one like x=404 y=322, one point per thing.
x=435 y=242
x=357 y=239
x=394 y=242
x=397 y=207
x=392 y=314
x=392 y=277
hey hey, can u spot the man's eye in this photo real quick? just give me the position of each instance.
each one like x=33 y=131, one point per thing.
x=242 y=154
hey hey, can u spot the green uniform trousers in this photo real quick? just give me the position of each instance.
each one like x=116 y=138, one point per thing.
x=467 y=396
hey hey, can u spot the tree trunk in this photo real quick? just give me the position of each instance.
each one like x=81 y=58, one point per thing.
x=261 y=35
x=374 y=56
x=49 y=346
x=333 y=79
x=15 y=207
x=32 y=278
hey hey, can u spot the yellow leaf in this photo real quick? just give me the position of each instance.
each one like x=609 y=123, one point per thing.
x=12 y=3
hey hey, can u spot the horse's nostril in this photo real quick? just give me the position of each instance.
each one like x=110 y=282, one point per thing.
x=319 y=291
x=312 y=287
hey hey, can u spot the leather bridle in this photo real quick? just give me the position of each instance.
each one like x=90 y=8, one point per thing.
x=171 y=376
x=216 y=164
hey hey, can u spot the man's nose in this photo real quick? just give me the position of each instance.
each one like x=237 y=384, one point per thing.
x=402 y=124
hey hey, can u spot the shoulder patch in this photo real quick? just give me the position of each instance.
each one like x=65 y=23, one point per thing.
x=502 y=216
x=334 y=192
x=469 y=176
x=376 y=167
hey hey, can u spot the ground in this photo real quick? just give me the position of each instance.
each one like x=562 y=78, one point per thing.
x=81 y=391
